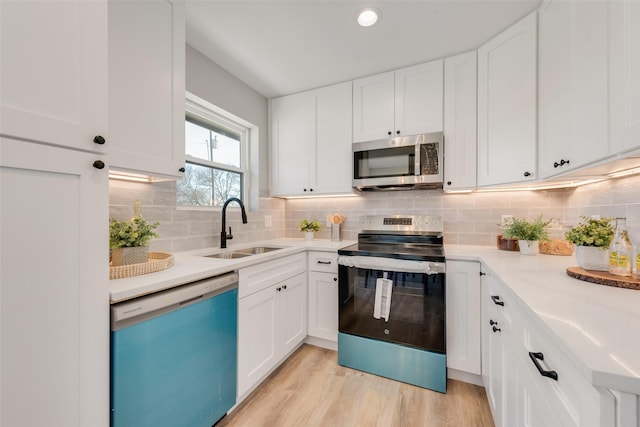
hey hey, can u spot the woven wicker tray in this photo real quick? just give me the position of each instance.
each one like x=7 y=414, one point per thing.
x=157 y=261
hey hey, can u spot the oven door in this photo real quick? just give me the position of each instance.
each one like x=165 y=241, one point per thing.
x=416 y=314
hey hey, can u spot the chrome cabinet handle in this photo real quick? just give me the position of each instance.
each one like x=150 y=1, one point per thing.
x=539 y=356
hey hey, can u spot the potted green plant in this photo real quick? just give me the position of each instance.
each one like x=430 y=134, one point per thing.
x=129 y=240
x=591 y=239
x=309 y=227
x=528 y=233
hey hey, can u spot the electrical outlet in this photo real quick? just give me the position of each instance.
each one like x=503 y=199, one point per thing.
x=267 y=221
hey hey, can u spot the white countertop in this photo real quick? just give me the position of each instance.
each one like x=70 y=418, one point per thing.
x=596 y=326
x=191 y=266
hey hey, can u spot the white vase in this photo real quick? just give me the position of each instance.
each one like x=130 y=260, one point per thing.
x=592 y=258
x=308 y=235
x=529 y=247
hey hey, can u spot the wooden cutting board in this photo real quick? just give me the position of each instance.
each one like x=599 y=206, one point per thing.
x=604 y=278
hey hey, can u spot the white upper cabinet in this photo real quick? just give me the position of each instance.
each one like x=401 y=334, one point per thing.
x=311 y=142
x=54 y=72
x=460 y=112
x=146 y=86
x=403 y=102
x=507 y=94
x=624 y=42
x=573 y=94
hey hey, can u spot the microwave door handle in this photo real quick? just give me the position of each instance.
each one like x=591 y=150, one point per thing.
x=416 y=158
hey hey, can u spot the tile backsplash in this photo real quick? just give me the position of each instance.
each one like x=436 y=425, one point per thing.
x=468 y=218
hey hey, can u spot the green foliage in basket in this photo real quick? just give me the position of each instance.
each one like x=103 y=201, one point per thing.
x=521 y=229
x=126 y=234
x=306 y=225
x=591 y=232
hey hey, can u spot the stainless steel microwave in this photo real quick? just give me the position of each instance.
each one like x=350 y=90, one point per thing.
x=402 y=163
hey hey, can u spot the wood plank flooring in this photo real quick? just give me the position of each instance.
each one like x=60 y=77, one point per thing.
x=311 y=389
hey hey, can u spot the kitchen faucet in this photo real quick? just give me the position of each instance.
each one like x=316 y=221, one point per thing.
x=223 y=235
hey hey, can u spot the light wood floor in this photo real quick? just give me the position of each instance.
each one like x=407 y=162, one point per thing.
x=311 y=389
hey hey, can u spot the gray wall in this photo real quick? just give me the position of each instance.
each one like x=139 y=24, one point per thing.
x=209 y=81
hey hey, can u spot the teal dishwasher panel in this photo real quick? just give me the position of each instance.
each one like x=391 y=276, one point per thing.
x=178 y=369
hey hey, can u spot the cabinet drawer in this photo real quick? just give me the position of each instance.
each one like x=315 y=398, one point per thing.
x=574 y=400
x=257 y=277
x=324 y=262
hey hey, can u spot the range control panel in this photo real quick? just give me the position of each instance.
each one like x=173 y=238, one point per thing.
x=401 y=223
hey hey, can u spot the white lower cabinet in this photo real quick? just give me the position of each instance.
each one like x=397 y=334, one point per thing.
x=272 y=322
x=463 y=316
x=323 y=295
x=553 y=393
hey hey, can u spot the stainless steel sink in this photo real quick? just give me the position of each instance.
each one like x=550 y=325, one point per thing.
x=227 y=255
x=256 y=250
x=241 y=253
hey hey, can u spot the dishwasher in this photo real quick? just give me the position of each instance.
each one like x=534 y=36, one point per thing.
x=173 y=355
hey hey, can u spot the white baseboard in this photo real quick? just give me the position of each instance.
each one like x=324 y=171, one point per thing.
x=466 y=377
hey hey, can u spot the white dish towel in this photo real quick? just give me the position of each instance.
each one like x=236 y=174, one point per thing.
x=382 y=303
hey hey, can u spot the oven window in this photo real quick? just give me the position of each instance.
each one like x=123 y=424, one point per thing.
x=417 y=310
x=386 y=162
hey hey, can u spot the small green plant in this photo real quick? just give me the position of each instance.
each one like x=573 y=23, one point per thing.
x=521 y=229
x=596 y=232
x=127 y=234
x=306 y=225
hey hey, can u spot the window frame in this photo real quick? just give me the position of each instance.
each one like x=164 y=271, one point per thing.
x=204 y=111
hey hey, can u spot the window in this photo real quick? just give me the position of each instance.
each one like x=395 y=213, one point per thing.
x=216 y=157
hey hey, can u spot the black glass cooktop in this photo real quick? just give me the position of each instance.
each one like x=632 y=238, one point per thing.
x=410 y=251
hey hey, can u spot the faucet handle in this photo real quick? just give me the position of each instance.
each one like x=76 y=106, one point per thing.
x=229 y=235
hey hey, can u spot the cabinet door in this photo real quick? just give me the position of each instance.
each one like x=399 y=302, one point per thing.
x=460 y=108
x=463 y=316
x=332 y=170
x=373 y=107
x=507 y=96
x=54 y=72
x=532 y=408
x=624 y=42
x=146 y=86
x=323 y=306
x=292 y=134
x=54 y=287
x=293 y=312
x=418 y=99
x=258 y=351
x=573 y=126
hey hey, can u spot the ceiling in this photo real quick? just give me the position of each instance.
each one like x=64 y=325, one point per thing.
x=282 y=47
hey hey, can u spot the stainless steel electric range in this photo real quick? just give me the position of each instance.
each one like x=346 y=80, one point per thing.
x=392 y=300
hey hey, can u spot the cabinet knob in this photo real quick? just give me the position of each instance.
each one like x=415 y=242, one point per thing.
x=278 y=289
x=284 y=286
x=527 y=174
x=448 y=182
x=492 y=322
x=564 y=162
x=397 y=132
x=335 y=279
x=482 y=273
x=99 y=139
x=304 y=189
x=98 y=164
x=182 y=169
x=311 y=189
x=556 y=164
x=389 y=133
x=496 y=329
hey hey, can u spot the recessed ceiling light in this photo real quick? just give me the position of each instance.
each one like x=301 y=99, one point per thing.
x=367 y=17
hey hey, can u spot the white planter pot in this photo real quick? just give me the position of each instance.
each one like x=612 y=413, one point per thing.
x=592 y=258
x=127 y=256
x=308 y=235
x=529 y=247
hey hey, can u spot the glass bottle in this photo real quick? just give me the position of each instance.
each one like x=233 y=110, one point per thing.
x=620 y=250
x=137 y=209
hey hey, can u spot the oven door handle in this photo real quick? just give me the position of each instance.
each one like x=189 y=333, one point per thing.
x=392 y=264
